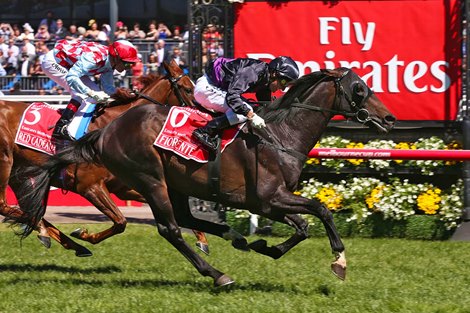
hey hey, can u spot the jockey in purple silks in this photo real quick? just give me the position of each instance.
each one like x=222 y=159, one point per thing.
x=225 y=80
x=71 y=63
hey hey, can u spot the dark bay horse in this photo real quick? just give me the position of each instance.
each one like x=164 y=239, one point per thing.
x=92 y=182
x=259 y=170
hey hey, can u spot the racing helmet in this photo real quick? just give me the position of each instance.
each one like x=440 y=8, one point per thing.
x=285 y=67
x=124 y=50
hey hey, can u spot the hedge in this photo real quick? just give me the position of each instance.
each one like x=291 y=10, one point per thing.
x=418 y=227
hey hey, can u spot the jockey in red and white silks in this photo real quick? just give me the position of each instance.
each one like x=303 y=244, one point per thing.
x=71 y=64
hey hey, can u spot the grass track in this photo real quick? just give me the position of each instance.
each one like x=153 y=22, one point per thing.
x=138 y=271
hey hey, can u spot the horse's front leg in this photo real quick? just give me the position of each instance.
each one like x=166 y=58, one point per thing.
x=285 y=202
x=162 y=210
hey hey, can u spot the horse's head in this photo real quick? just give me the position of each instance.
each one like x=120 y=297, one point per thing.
x=355 y=99
x=182 y=87
x=175 y=88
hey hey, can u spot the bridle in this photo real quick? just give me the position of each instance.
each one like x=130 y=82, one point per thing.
x=358 y=108
x=174 y=86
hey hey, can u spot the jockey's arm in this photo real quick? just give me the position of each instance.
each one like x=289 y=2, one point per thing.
x=107 y=82
x=240 y=84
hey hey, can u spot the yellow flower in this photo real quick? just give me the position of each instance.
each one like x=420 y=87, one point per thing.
x=429 y=201
x=402 y=146
x=329 y=197
x=374 y=196
x=353 y=145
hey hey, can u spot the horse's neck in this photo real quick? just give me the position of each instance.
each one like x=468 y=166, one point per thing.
x=300 y=133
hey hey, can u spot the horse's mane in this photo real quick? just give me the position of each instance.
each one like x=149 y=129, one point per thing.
x=125 y=96
x=278 y=110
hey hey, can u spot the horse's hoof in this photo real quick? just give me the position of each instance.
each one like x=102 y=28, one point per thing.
x=46 y=241
x=258 y=245
x=241 y=244
x=223 y=280
x=76 y=233
x=339 y=271
x=84 y=252
x=203 y=247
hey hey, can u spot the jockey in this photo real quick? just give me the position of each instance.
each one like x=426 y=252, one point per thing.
x=224 y=82
x=71 y=64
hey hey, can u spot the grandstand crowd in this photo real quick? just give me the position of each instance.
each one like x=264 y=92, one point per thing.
x=23 y=45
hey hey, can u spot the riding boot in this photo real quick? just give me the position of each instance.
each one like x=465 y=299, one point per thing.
x=207 y=135
x=60 y=129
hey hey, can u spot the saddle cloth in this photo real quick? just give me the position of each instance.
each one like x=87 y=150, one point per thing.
x=176 y=134
x=38 y=121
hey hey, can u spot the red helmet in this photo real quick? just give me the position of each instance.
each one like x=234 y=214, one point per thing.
x=124 y=50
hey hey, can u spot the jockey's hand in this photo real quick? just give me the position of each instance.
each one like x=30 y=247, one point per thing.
x=99 y=96
x=257 y=121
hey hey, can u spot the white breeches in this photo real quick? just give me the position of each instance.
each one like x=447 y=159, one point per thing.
x=213 y=98
x=57 y=73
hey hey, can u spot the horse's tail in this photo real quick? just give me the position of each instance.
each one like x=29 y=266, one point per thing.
x=34 y=189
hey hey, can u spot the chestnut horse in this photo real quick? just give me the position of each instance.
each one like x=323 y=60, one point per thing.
x=259 y=170
x=92 y=182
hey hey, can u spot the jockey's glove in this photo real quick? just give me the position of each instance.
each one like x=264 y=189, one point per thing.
x=98 y=96
x=257 y=121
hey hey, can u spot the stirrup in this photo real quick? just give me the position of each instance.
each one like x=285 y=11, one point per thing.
x=61 y=133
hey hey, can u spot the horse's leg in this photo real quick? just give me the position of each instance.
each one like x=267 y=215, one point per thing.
x=162 y=210
x=99 y=196
x=65 y=241
x=301 y=233
x=185 y=219
x=284 y=202
x=123 y=192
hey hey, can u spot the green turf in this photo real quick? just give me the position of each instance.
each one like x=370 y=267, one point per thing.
x=138 y=271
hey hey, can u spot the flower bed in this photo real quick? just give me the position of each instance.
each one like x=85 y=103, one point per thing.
x=375 y=207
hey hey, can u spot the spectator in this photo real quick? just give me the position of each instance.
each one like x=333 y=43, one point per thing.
x=61 y=31
x=3 y=58
x=13 y=48
x=12 y=62
x=50 y=22
x=152 y=33
x=29 y=49
x=93 y=31
x=81 y=32
x=136 y=32
x=177 y=36
x=6 y=31
x=36 y=72
x=28 y=32
x=72 y=33
x=177 y=57
x=2 y=71
x=3 y=46
x=24 y=65
x=103 y=36
x=212 y=36
x=16 y=89
x=152 y=65
x=212 y=54
x=137 y=71
x=43 y=33
x=163 y=31
x=160 y=53
x=121 y=31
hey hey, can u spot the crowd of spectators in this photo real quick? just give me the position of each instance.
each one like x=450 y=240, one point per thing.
x=22 y=47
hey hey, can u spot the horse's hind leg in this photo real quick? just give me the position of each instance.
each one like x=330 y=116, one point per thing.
x=65 y=241
x=99 y=196
x=162 y=210
x=185 y=219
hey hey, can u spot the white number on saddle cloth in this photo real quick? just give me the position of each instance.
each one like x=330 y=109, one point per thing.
x=176 y=134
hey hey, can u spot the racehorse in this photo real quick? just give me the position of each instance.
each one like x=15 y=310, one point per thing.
x=92 y=182
x=259 y=170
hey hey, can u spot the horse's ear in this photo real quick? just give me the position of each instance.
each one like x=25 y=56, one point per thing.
x=167 y=67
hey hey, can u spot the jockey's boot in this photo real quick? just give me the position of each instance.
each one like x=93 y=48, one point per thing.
x=207 y=135
x=60 y=129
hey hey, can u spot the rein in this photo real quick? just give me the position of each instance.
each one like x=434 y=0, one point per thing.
x=174 y=86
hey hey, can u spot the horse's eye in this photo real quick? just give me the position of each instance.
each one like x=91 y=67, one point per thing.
x=358 y=89
x=188 y=90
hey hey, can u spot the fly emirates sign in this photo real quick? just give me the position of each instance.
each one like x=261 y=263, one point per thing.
x=408 y=52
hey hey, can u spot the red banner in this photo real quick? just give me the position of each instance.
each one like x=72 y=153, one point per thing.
x=408 y=52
